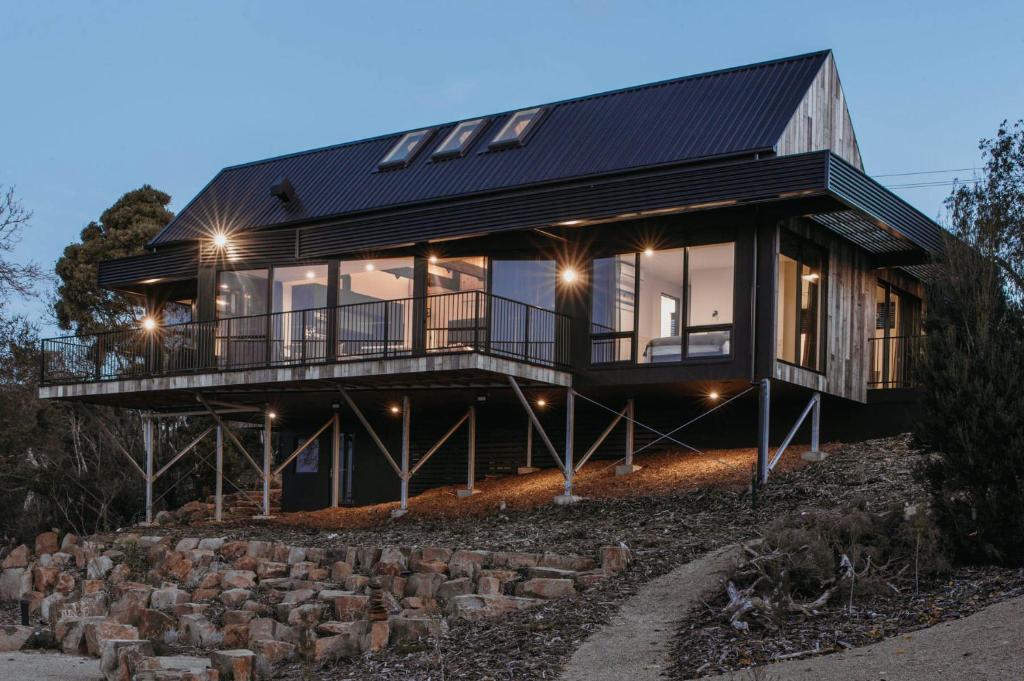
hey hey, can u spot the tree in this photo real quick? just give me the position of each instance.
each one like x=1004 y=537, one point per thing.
x=973 y=366
x=123 y=230
x=14 y=217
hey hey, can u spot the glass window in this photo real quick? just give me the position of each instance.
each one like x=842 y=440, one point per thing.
x=799 y=322
x=517 y=127
x=406 y=149
x=711 y=271
x=455 y=315
x=241 y=293
x=299 y=325
x=375 y=317
x=459 y=139
x=522 y=324
x=613 y=303
x=661 y=290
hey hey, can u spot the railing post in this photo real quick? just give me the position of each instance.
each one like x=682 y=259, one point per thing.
x=526 y=332
x=488 y=312
x=387 y=327
x=763 y=424
x=99 y=357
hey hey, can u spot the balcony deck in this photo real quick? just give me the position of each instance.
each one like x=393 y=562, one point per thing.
x=467 y=339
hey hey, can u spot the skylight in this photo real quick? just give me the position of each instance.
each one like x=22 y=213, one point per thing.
x=515 y=131
x=459 y=139
x=403 y=152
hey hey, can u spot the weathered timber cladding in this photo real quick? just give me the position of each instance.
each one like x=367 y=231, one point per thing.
x=822 y=121
x=849 y=290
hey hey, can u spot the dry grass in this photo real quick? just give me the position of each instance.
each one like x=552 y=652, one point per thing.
x=661 y=474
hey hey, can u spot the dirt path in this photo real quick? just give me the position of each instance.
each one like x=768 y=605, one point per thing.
x=987 y=646
x=636 y=645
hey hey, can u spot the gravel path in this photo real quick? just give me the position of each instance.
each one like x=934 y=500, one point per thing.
x=636 y=644
x=988 y=645
x=48 y=666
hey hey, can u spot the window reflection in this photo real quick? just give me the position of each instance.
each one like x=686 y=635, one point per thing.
x=613 y=305
x=241 y=328
x=375 y=313
x=455 y=314
x=299 y=325
x=521 y=325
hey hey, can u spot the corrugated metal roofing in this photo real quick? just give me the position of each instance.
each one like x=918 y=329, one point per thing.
x=723 y=113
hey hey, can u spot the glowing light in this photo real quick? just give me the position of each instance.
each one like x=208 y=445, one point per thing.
x=220 y=239
x=310 y=274
x=433 y=259
x=395 y=409
x=569 y=275
x=149 y=323
x=272 y=414
x=225 y=287
x=370 y=267
x=568 y=223
x=542 y=403
x=648 y=252
x=813 y=276
x=713 y=395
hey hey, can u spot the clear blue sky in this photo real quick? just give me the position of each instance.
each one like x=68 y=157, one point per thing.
x=102 y=97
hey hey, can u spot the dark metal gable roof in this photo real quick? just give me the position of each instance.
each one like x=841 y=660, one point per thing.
x=723 y=113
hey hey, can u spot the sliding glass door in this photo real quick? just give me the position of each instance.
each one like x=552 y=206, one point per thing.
x=521 y=323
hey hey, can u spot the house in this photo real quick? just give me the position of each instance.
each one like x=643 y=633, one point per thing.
x=436 y=304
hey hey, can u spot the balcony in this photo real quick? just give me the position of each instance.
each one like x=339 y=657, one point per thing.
x=894 y=361
x=470 y=322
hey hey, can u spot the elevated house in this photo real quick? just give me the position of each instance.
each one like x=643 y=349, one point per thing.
x=436 y=304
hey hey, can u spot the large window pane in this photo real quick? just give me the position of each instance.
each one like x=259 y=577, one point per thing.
x=242 y=327
x=613 y=301
x=299 y=325
x=711 y=270
x=661 y=293
x=455 y=313
x=799 y=324
x=785 y=325
x=522 y=324
x=241 y=293
x=375 y=317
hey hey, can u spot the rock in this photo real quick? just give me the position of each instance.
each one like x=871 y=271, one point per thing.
x=436 y=553
x=128 y=608
x=238 y=579
x=298 y=596
x=509 y=559
x=153 y=624
x=233 y=550
x=590 y=579
x=357 y=583
x=49 y=607
x=615 y=559
x=377 y=635
x=164 y=518
x=306 y=616
x=47 y=542
x=168 y=596
x=15 y=583
x=329 y=648
x=488 y=585
x=259 y=549
x=550 y=573
x=331 y=594
x=234 y=598
x=65 y=583
x=367 y=557
x=295 y=555
x=13 y=637
x=270 y=570
x=477 y=606
x=119 y=574
x=301 y=570
x=567 y=562
x=468 y=563
x=69 y=541
x=200 y=595
x=423 y=584
x=269 y=654
x=316 y=555
x=340 y=571
x=211 y=580
x=542 y=587
x=350 y=606
x=455 y=587
x=238 y=617
x=409 y=629
x=235 y=635
x=267 y=629
x=185 y=545
x=98 y=633
x=92 y=586
x=110 y=659
x=212 y=543
x=199 y=631
x=392 y=584
x=432 y=566
x=98 y=567
x=234 y=665
x=17 y=558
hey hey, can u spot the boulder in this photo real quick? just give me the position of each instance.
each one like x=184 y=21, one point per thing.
x=392 y=584
x=615 y=559
x=367 y=557
x=238 y=616
x=153 y=624
x=68 y=541
x=258 y=549
x=435 y=553
x=477 y=606
x=301 y=569
x=550 y=573
x=340 y=571
x=377 y=635
x=164 y=518
x=13 y=637
x=47 y=542
x=488 y=585
x=567 y=562
x=268 y=629
x=98 y=567
x=298 y=596
x=15 y=583
x=185 y=545
x=468 y=563
x=432 y=566
x=234 y=598
x=270 y=570
x=269 y=654
x=295 y=555
x=50 y=607
x=168 y=596
x=17 y=558
x=128 y=608
x=211 y=543
x=423 y=584
x=235 y=635
x=350 y=606
x=543 y=587
x=114 y=654
x=65 y=583
x=409 y=629
x=238 y=579
x=234 y=665
x=327 y=648
x=514 y=560
x=98 y=633
x=590 y=578
x=199 y=631
x=233 y=550
x=357 y=583
x=306 y=616
x=454 y=588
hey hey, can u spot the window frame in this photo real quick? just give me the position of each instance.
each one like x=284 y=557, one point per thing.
x=386 y=164
x=482 y=124
x=518 y=141
x=684 y=328
x=803 y=245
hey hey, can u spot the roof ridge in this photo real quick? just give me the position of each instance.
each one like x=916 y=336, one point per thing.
x=560 y=102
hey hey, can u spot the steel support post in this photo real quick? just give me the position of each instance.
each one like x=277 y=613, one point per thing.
x=763 y=415
x=218 y=498
x=335 y=459
x=268 y=450
x=570 y=423
x=529 y=467
x=147 y=435
x=628 y=467
x=405 y=454
x=471 y=464
x=815 y=454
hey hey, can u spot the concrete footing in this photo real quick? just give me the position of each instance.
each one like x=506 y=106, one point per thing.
x=262 y=517
x=627 y=469
x=526 y=470
x=567 y=499
x=466 y=493
x=814 y=456
x=398 y=512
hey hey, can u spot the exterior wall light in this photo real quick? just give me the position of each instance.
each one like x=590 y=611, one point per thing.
x=569 y=275
x=648 y=252
x=542 y=403
x=148 y=323
x=713 y=395
x=395 y=409
x=220 y=240
x=433 y=259
x=272 y=415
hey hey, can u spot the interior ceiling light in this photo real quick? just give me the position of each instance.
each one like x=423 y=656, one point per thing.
x=369 y=267
x=310 y=274
x=648 y=252
x=433 y=259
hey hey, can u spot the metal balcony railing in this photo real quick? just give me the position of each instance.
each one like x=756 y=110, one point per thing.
x=894 y=361
x=464 y=322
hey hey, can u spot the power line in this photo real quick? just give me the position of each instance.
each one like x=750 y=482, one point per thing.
x=942 y=183
x=926 y=172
